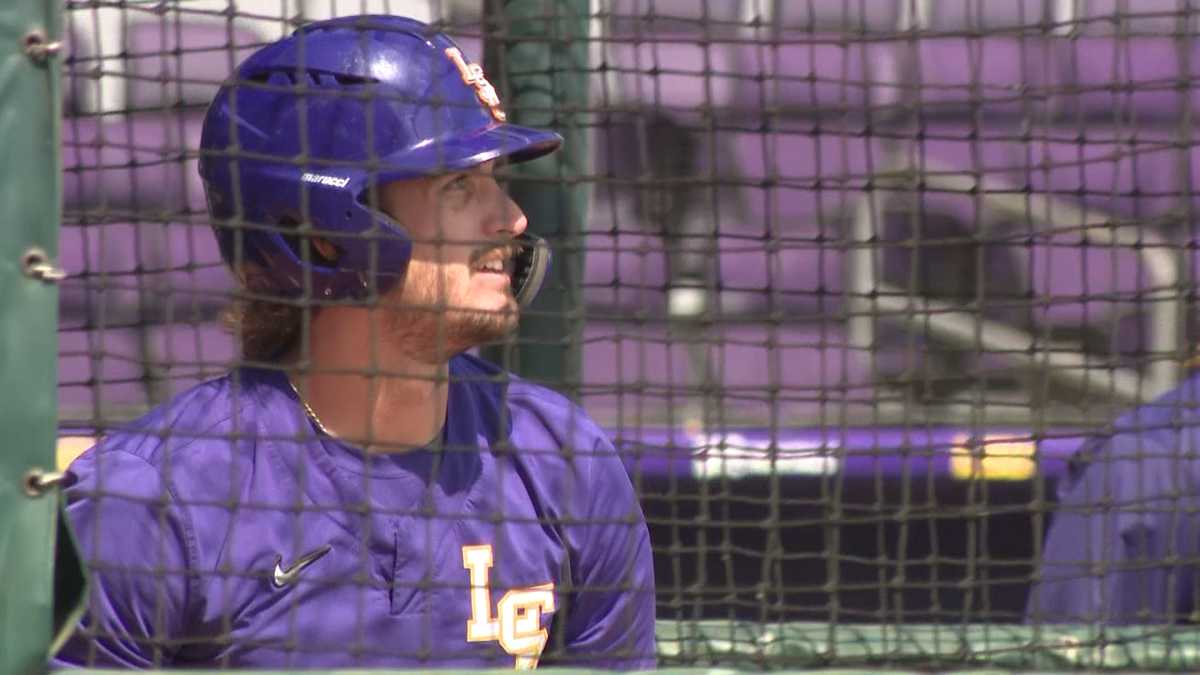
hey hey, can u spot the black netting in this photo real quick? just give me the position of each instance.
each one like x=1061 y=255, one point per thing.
x=863 y=293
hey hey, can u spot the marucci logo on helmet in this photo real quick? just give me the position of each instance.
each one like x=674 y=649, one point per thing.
x=331 y=181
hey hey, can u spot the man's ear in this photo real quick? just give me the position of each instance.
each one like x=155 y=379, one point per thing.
x=325 y=249
x=321 y=250
x=245 y=271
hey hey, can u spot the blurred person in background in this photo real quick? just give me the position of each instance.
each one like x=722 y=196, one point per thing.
x=1122 y=543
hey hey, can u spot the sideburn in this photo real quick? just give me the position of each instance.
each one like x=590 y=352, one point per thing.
x=269 y=331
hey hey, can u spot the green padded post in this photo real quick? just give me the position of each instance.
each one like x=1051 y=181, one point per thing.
x=536 y=53
x=30 y=188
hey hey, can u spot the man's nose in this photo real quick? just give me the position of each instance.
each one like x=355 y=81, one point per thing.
x=508 y=219
x=519 y=221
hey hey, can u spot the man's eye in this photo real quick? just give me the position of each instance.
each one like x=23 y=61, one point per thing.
x=460 y=183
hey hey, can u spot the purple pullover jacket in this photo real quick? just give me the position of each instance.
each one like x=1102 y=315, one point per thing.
x=223 y=530
x=1123 y=543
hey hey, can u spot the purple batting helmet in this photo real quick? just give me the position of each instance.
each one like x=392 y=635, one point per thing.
x=310 y=123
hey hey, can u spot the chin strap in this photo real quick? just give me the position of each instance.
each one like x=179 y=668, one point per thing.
x=530 y=265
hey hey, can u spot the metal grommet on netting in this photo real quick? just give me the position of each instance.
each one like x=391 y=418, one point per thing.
x=35 y=264
x=37 y=482
x=38 y=47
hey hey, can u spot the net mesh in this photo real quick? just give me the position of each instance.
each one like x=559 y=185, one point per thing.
x=858 y=280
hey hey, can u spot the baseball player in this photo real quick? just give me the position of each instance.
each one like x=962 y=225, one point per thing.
x=364 y=494
x=1122 y=545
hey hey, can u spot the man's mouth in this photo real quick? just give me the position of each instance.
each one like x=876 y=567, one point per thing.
x=491 y=267
x=496 y=261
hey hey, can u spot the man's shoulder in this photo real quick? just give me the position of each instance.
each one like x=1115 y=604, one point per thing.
x=212 y=413
x=555 y=439
x=532 y=403
x=1156 y=441
x=1170 y=420
x=539 y=416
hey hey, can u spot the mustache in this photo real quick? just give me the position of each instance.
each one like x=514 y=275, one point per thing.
x=505 y=250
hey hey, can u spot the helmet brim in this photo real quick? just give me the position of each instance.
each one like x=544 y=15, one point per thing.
x=509 y=141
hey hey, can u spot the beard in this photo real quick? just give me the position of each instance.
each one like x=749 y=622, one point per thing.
x=428 y=315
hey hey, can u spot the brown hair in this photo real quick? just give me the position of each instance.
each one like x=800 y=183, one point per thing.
x=269 y=329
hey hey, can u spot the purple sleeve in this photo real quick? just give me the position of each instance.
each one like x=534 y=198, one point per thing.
x=1121 y=547
x=134 y=543
x=611 y=617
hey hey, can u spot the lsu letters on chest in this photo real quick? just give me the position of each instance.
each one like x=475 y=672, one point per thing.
x=516 y=622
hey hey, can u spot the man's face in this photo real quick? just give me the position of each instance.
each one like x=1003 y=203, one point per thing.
x=457 y=292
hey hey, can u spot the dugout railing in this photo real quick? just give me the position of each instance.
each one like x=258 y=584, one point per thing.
x=992 y=191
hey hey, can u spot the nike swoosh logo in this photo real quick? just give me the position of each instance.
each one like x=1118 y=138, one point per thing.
x=286 y=576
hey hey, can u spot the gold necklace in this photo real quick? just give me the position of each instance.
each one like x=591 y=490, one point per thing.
x=312 y=415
